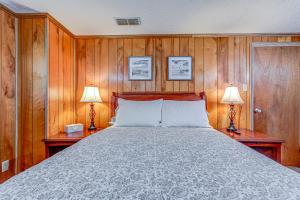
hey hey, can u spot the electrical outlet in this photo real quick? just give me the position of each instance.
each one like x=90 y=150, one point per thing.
x=5 y=165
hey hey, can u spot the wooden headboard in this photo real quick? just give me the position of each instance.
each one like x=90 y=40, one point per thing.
x=142 y=96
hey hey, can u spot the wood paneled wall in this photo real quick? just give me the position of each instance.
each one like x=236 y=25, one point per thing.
x=33 y=91
x=47 y=71
x=8 y=92
x=217 y=62
x=61 y=85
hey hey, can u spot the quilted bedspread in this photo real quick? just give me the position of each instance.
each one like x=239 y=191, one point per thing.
x=155 y=163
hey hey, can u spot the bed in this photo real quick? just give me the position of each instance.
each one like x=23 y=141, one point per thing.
x=155 y=163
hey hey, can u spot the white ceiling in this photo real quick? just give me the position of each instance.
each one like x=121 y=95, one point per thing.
x=96 y=17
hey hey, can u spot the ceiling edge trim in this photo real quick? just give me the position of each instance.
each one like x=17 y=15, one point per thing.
x=38 y=14
x=5 y=8
x=185 y=35
x=60 y=25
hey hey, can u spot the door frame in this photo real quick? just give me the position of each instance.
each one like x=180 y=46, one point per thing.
x=255 y=45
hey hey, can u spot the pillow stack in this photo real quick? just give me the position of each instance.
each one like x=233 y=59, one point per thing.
x=161 y=112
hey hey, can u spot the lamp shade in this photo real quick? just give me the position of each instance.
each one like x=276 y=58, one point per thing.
x=91 y=95
x=232 y=96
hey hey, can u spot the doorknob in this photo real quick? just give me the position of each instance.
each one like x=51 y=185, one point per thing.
x=257 y=110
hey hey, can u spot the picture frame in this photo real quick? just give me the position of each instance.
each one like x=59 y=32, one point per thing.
x=140 y=68
x=180 y=68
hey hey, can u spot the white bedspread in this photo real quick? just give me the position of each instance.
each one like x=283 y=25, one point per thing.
x=155 y=163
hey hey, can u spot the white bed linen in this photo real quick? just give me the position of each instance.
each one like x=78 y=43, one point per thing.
x=156 y=163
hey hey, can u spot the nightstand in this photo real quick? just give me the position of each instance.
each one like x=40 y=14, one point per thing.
x=60 y=141
x=263 y=143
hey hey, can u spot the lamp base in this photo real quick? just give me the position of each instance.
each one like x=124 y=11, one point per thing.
x=231 y=127
x=92 y=116
x=92 y=127
x=232 y=114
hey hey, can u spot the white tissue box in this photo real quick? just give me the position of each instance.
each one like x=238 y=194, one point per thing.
x=70 y=128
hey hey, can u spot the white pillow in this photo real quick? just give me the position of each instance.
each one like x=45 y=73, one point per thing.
x=112 y=121
x=138 y=113
x=184 y=113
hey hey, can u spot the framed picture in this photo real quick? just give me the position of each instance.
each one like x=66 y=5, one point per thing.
x=140 y=68
x=180 y=68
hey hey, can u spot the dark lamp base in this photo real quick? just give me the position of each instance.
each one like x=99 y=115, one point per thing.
x=92 y=127
x=231 y=127
x=92 y=117
x=232 y=114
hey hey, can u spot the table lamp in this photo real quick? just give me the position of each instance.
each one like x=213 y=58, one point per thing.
x=232 y=97
x=91 y=95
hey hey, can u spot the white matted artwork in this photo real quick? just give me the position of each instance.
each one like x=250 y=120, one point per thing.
x=140 y=68
x=180 y=68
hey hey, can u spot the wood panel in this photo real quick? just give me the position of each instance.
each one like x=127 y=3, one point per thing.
x=33 y=91
x=167 y=86
x=113 y=69
x=138 y=49
x=36 y=80
x=32 y=86
x=7 y=92
x=104 y=82
x=80 y=83
x=53 y=94
x=211 y=78
x=184 y=50
x=61 y=86
x=1 y=116
x=97 y=78
x=150 y=45
x=39 y=92
x=217 y=63
x=26 y=98
x=90 y=70
x=223 y=79
x=157 y=64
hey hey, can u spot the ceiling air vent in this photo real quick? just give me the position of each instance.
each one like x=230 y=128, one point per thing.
x=133 y=21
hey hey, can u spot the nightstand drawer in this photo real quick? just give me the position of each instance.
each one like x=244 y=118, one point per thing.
x=262 y=143
x=51 y=150
x=53 y=147
x=59 y=142
x=271 y=150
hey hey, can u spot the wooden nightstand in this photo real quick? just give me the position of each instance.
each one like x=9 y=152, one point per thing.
x=59 y=142
x=263 y=143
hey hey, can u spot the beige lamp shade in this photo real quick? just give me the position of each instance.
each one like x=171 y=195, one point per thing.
x=232 y=96
x=91 y=95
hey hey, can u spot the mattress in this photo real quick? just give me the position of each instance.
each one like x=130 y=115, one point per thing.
x=155 y=163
